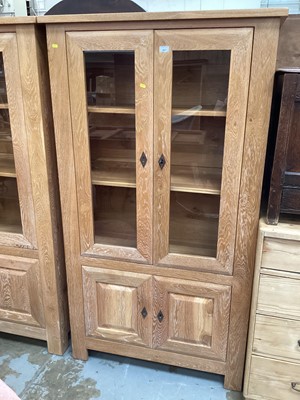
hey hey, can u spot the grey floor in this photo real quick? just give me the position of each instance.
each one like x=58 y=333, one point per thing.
x=34 y=374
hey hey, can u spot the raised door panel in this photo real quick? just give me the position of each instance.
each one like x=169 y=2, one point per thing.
x=191 y=318
x=17 y=219
x=118 y=305
x=111 y=96
x=199 y=127
x=20 y=291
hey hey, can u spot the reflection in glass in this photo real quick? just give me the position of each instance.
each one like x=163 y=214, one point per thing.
x=200 y=79
x=200 y=91
x=114 y=216
x=194 y=223
x=3 y=95
x=112 y=149
x=110 y=78
x=10 y=217
x=110 y=82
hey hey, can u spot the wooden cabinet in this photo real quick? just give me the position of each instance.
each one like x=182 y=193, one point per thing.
x=160 y=125
x=273 y=359
x=284 y=194
x=33 y=299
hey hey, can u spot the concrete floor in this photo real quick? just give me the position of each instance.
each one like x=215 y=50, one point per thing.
x=34 y=374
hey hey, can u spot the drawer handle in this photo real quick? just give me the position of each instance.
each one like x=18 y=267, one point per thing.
x=299 y=343
x=294 y=386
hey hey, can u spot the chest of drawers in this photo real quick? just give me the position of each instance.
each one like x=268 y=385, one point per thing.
x=273 y=358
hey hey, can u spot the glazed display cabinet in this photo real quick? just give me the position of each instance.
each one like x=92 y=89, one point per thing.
x=33 y=298
x=161 y=125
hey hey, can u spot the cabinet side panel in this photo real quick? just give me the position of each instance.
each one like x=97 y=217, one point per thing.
x=65 y=160
x=261 y=85
x=39 y=123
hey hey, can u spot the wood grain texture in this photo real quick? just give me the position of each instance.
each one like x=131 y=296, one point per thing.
x=65 y=160
x=196 y=317
x=23 y=330
x=271 y=379
x=225 y=14
x=9 y=49
x=20 y=291
x=240 y=44
x=261 y=85
x=39 y=127
x=277 y=337
x=170 y=272
x=113 y=302
x=279 y=296
x=281 y=254
x=141 y=43
x=274 y=322
x=155 y=355
x=287 y=109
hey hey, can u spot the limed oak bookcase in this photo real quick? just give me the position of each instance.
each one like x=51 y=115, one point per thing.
x=33 y=298
x=161 y=123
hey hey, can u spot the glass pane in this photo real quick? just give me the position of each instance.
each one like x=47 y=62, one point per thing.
x=110 y=78
x=200 y=79
x=194 y=223
x=10 y=216
x=111 y=112
x=114 y=216
x=200 y=90
x=3 y=95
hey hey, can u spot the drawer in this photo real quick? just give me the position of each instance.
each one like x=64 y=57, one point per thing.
x=272 y=380
x=276 y=252
x=277 y=337
x=279 y=296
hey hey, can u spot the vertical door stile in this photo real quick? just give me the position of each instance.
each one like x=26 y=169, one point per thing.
x=162 y=144
x=199 y=134
x=111 y=92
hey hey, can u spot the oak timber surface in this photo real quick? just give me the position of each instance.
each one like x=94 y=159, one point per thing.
x=224 y=14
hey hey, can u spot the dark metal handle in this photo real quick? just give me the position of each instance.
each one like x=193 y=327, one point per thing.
x=144 y=312
x=299 y=343
x=160 y=316
x=162 y=161
x=143 y=159
x=294 y=384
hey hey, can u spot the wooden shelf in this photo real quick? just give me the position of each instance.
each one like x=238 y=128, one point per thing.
x=114 y=175
x=204 y=112
x=183 y=178
x=3 y=106
x=7 y=166
x=111 y=109
x=196 y=179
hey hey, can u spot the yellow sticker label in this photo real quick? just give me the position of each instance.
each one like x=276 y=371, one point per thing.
x=143 y=86
x=54 y=46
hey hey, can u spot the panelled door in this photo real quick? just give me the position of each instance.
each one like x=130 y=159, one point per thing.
x=111 y=95
x=17 y=222
x=200 y=104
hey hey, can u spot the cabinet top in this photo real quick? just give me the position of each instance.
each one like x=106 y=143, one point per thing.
x=287 y=228
x=165 y=16
x=17 y=20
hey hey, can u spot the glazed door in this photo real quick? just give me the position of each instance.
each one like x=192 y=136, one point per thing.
x=201 y=90
x=111 y=94
x=17 y=222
